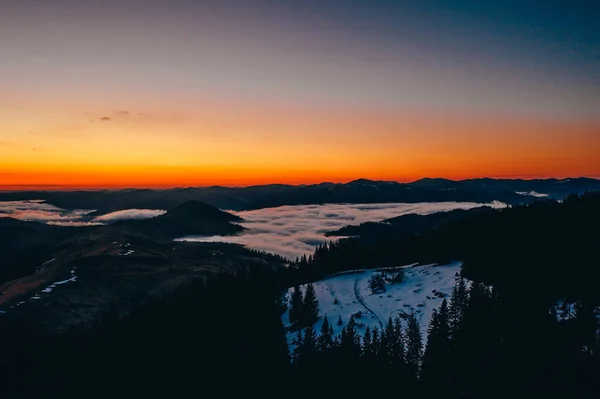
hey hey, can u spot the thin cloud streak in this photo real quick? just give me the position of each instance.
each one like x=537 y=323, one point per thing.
x=130 y=214
x=74 y=224
x=40 y=211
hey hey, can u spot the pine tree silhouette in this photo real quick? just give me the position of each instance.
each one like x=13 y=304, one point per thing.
x=310 y=306
x=307 y=351
x=414 y=346
x=458 y=304
x=435 y=371
x=325 y=340
x=367 y=346
x=298 y=343
x=296 y=308
x=399 y=359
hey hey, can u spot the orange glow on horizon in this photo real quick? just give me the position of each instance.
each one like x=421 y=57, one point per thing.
x=63 y=182
x=241 y=144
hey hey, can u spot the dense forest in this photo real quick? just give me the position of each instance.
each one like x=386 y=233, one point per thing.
x=522 y=321
x=548 y=248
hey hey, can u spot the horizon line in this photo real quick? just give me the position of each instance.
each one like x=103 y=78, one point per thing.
x=81 y=187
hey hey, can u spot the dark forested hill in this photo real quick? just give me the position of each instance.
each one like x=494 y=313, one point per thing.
x=406 y=224
x=190 y=218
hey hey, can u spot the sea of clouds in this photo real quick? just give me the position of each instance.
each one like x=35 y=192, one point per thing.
x=40 y=211
x=293 y=231
x=290 y=231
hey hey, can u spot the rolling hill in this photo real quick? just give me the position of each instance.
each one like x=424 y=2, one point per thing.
x=190 y=218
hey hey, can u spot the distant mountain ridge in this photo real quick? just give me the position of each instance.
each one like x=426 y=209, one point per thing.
x=483 y=190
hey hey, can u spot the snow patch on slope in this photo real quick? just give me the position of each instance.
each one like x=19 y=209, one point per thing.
x=422 y=290
x=51 y=287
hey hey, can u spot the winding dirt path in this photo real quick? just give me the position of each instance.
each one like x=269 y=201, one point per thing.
x=360 y=299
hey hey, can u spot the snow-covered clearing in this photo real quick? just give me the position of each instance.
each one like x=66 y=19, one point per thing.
x=421 y=291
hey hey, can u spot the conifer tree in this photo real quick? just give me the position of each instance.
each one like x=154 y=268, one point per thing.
x=399 y=344
x=308 y=348
x=388 y=338
x=325 y=340
x=351 y=332
x=376 y=342
x=414 y=346
x=350 y=343
x=436 y=359
x=458 y=304
x=298 y=343
x=444 y=321
x=310 y=306
x=367 y=344
x=296 y=306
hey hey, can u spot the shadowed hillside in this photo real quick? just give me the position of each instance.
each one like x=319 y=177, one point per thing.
x=190 y=218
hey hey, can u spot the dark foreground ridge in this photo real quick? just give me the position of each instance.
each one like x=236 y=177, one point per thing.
x=522 y=320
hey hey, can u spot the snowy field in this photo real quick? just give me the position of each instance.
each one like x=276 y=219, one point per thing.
x=421 y=291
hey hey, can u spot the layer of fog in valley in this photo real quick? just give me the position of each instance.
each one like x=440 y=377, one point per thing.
x=293 y=231
x=43 y=212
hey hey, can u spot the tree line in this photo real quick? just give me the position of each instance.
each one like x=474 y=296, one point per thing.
x=477 y=345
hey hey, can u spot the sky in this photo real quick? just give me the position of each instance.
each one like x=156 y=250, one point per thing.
x=163 y=93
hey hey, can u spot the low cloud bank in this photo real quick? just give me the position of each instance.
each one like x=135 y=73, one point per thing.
x=40 y=211
x=130 y=214
x=293 y=231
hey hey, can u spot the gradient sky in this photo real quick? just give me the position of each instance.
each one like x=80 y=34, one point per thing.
x=121 y=93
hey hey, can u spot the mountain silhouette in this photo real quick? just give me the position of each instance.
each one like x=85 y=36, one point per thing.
x=189 y=218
